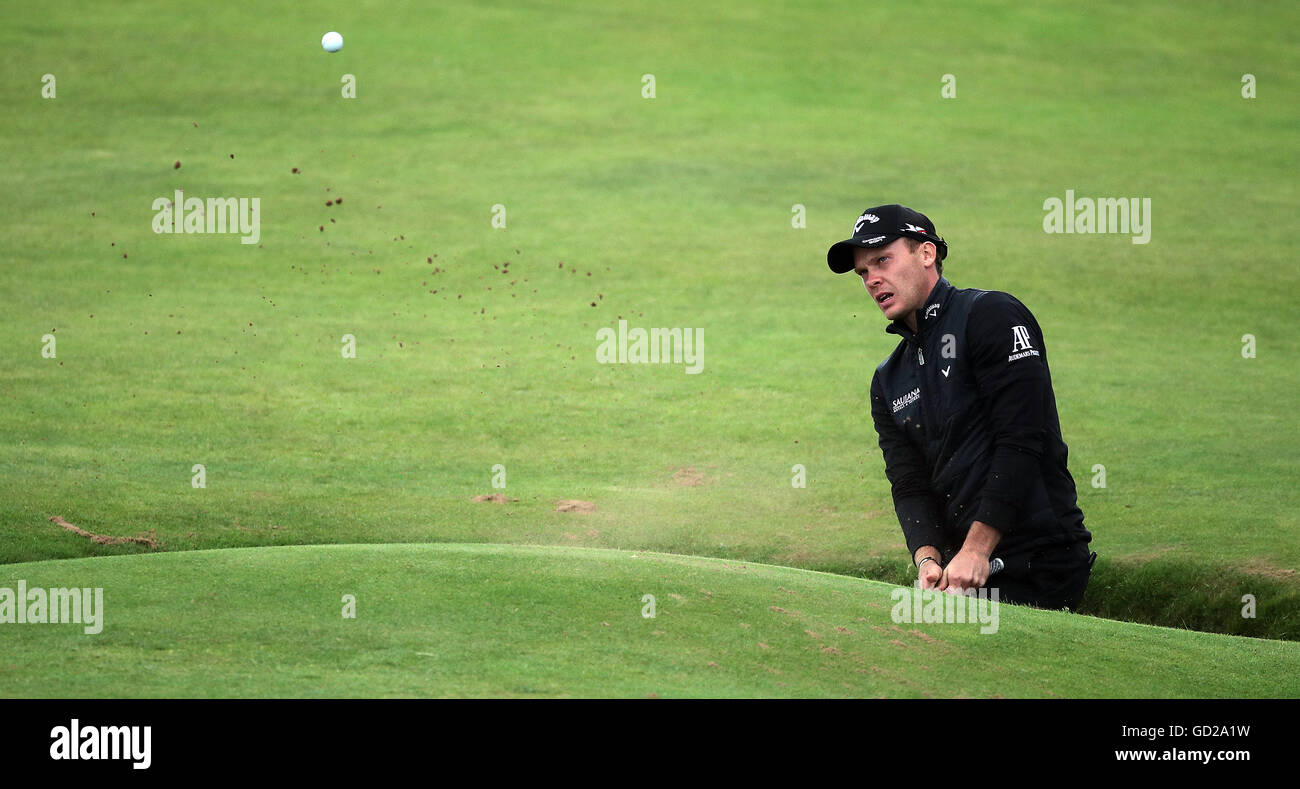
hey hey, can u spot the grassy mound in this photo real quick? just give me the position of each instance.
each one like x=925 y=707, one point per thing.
x=498 y=620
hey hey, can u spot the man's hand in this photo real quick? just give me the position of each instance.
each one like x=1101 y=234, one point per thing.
x=969 y=569
x=928 y=574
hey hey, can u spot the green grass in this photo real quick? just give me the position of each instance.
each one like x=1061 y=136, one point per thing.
x=494 y=620
x=200 y=350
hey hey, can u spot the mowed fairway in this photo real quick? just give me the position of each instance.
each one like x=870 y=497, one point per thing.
x=476 y=344
x=492 y=620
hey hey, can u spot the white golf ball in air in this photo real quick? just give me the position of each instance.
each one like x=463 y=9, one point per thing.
x=331 y=41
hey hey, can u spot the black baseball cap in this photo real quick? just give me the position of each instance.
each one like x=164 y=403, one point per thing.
x=880 y=226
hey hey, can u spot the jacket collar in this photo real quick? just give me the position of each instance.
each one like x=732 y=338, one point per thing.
x=930 y=313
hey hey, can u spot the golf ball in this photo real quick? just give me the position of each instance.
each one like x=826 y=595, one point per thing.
x=331 y=41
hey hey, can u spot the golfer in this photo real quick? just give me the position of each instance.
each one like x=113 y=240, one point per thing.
x=967 y=422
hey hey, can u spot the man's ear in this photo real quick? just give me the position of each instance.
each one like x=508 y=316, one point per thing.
x=930 y=253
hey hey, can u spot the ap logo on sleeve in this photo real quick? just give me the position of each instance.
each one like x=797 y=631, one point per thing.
x=1020 y=344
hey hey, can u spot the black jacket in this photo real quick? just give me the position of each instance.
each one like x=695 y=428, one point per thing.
x=968 y=426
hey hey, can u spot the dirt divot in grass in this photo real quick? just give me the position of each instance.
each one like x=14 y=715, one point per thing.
x=688 y=477
x=1258 y=566
x=498 y=498
x=151 y=541
x=573 y=505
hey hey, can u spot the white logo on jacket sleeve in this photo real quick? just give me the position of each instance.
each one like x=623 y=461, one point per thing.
x=1020 y=339
x=1020 y=344
x=903 y=402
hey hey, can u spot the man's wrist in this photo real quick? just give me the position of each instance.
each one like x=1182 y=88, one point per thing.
x=924 y=552
x=925 y=559
x=981 y=539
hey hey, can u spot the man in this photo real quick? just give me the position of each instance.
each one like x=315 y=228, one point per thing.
x=967 y=422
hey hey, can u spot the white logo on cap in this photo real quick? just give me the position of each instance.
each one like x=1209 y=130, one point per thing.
x=914 y=228
x=863 y=219
x=875 y=240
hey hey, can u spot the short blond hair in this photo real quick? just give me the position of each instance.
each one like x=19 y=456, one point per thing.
x=914 y=244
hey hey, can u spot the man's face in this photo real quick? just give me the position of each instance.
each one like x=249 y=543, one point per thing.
x=898 y=279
